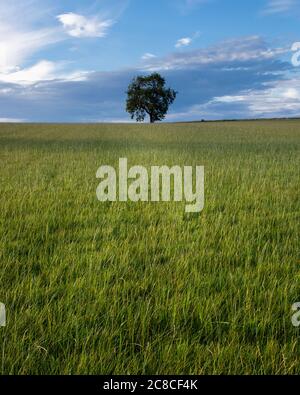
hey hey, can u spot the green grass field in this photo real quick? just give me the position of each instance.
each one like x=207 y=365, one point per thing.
x=143 y=288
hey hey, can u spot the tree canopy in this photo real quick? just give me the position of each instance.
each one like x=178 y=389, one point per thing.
x=147 y=95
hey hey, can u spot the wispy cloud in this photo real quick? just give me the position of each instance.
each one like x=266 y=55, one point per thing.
x=81 y=26
x=29 y=27
x=19 y=35
x=235 y=51
x=253 y=84
x=11 y=120
x=186 y=41
x=183 y=42
x=22 y=37
x=148 y=56
x=280 y=98
x=42 y=71
x=279 y=6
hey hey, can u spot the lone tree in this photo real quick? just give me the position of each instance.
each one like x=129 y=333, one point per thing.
x=148 y=95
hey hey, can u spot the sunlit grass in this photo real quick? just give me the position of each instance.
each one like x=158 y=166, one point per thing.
x=98 y=288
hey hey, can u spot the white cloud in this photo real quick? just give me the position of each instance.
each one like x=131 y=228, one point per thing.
x=16 y=45
x=246 y=49
x=26 y=29
x=148 y=56
x=291 y=93
x=280 y=98
x=11 y=120
x=5 y=91
x=186 y=41
x=229 y=99
x=279 y=6
x=41 y=71
x=183 y=42
x=80 y=26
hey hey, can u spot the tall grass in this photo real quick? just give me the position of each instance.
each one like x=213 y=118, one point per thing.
x=143 y=288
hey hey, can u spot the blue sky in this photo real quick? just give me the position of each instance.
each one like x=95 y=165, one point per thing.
x=71 y=60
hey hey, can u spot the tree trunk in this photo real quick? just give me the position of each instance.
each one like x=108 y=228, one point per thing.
x=151 y=118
